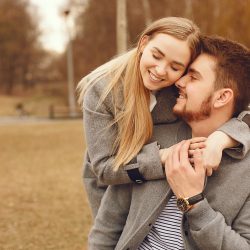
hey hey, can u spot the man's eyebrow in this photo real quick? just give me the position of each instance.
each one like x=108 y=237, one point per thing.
x=194 y=71
x=174 y=62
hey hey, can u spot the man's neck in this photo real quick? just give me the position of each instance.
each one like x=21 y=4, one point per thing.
x=207 y=126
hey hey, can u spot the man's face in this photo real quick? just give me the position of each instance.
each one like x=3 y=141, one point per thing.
x=196 y=90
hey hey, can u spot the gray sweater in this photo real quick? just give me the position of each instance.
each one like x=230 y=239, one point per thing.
x=100 y=137
x=221 y=221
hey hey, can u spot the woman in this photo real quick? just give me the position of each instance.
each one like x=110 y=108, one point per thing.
x=122 y=101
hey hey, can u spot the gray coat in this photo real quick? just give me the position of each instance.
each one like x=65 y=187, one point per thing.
x=221 y=221
x=100 y=137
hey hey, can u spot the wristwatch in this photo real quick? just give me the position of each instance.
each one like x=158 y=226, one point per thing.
x=184 y=204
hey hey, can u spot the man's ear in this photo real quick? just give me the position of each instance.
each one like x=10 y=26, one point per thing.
x=143 y=43
x=223 y=97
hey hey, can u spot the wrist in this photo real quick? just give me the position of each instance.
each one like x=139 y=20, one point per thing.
x=186 y=204
x=222 y=140
x=195 y=205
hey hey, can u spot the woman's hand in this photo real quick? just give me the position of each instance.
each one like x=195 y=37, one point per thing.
x=211 y=152
x=195 y=143
x=164 y=152
x=212 y=149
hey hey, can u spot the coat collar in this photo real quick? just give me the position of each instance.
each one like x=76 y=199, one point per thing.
x=155 y=194
x=184 y=132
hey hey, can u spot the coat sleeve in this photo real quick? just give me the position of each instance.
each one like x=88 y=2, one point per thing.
x=101 y=133
x=111 y=218
x=210 y=231
x=239 y=129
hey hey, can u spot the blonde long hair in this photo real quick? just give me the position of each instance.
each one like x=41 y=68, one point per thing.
x=134 y=119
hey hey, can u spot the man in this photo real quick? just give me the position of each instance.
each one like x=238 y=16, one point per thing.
x=207 y=216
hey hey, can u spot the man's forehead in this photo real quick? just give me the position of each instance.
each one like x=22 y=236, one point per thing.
x=203 y=63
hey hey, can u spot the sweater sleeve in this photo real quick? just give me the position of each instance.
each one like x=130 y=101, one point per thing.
x=239 y=129
x=101 y=133
x=210 y=231
x=111 y=218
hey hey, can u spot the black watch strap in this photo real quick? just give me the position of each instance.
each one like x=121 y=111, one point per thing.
x=195 y=199
x=135 y=175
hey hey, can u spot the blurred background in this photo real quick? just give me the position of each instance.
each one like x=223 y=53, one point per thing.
x=46 y=47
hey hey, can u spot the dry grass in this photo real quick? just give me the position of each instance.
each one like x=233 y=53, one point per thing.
x=43 y=204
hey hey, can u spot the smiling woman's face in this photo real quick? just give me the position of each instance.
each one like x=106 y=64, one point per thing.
x=163 y=61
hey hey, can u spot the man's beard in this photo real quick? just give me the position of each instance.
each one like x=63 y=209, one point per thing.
x=190 y=116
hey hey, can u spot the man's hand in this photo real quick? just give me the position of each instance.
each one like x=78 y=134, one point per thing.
x=184 y=179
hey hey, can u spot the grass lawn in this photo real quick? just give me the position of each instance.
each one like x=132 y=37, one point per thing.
x=43 y=204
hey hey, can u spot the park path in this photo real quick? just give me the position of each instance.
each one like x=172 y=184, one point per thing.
x=8 y=120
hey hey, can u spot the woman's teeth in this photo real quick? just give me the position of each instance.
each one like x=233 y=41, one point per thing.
x=154 y=78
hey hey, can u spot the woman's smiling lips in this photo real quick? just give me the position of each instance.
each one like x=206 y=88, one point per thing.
x=154 y=78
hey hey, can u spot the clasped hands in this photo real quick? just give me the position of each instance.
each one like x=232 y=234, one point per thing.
x=211 y=150
x=185 y=177
x=188 y=162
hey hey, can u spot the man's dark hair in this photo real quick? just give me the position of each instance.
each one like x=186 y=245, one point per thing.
x=232 y=68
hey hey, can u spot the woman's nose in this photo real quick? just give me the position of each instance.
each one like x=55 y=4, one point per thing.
x=161 y=70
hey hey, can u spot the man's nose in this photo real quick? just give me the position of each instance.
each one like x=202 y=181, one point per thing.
x=181 y=83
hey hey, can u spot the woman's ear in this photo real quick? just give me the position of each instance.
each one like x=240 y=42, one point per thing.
x=143 y=42
x=223 y=97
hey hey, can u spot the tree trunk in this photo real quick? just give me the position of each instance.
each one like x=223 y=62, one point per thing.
x=189 y=9
x=121 y=26
x=147 y=12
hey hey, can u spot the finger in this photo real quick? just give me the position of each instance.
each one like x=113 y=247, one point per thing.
x=191 y=160
x=215 y=168
x=198 y=163
x=191 y=152
x=166 y=167
x=196 y=145
x=168 y=163
x=176 y=154
x=184 y=154
x=198 y=139
x=209 y=172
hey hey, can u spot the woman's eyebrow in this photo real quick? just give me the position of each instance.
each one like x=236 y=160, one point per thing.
x=179 y=64
x=159 y=51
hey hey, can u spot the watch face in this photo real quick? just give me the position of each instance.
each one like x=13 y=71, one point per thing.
x=182 y=204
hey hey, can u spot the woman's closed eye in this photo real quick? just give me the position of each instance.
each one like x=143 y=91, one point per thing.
x=156 y=57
